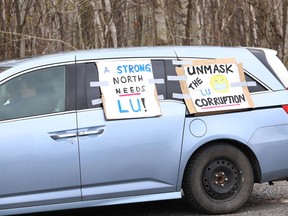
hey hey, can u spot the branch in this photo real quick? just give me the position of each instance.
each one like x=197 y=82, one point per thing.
x=39 y=38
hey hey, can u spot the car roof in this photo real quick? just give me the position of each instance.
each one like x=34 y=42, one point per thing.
x=241 y=54
x=131 y=52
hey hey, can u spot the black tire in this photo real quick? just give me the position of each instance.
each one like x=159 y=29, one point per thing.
x=218 y=179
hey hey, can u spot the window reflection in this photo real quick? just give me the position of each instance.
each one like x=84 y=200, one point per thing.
x=35 y=93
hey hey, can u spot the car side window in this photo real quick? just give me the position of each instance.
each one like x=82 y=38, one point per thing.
x=254 y=88
x=93 y=93
x=159 y=72
x=91 y=75
x=34 y=93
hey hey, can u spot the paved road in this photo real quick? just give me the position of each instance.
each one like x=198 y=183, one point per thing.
x=265 y=200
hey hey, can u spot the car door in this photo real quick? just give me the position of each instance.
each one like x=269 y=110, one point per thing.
x=127 y=157
x=39 y=161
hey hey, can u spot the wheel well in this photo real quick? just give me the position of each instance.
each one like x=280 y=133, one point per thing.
x=245 y=149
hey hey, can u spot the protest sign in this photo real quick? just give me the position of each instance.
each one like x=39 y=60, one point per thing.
x=214 y=85
x=128 y=90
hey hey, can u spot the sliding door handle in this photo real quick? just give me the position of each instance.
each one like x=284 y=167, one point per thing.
x=90 y=132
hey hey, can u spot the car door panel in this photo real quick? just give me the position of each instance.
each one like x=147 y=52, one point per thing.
x=34 y=167
x=39 y=159
x=130 y=157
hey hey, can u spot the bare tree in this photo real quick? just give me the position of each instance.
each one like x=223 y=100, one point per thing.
x=98 y=27
x=160 y=23
x=30 y=27
x=285 y=35
x=111 y=24
x=22 y=10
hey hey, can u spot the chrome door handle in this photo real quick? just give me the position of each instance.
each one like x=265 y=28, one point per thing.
x=90 y=132
x=63 y=135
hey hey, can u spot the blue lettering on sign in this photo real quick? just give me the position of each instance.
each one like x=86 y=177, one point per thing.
x=106 y=70
x=134 y=68
x=120 y=107
x=137 y=109
x=205 y=92
x=138 y=103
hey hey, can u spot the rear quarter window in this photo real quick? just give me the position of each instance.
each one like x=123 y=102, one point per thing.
x=254 y=88
x=270 y=60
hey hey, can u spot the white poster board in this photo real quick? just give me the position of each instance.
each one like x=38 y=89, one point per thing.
x=127 y=88
x=214 y=85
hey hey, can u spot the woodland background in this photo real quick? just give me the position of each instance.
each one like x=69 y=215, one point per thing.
x=33 y=27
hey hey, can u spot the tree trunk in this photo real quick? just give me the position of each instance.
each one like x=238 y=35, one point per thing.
x=4 y=29
x=188 y=26
x=98 y=29
x=285 y=35
x=254 y=25
x=22 y=9
x=111 y=23
x=160 y=24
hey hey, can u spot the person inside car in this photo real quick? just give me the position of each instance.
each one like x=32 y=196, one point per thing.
x=12 y=92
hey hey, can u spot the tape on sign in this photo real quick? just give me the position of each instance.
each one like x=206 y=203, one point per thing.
x=241 y=84
x=176 y=78
x=156 y=81
x=100 y=83
x=181 y=96
x=176 y=62
x=161 y=97
x=96 y=101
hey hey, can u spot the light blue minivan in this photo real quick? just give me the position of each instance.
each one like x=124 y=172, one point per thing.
x=60 y=151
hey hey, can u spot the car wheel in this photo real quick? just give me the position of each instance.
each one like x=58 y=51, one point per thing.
x=218 y=179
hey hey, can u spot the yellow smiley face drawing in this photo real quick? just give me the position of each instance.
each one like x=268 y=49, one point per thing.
x=219 y=83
